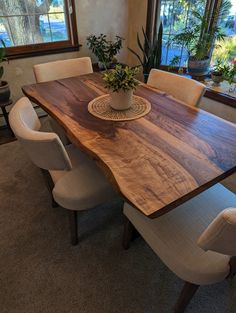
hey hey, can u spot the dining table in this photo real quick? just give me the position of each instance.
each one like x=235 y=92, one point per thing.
x=156 y=162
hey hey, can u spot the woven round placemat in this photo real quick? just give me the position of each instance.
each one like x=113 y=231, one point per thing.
x=100 y=107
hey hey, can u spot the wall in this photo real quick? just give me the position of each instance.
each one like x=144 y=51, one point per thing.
x=219 y=109
x=137 y=20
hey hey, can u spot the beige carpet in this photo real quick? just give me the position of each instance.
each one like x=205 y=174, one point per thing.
x=40 y=272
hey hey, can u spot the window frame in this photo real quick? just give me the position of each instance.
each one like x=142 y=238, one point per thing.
x=72 y=44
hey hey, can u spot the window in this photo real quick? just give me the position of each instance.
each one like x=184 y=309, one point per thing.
x=175 y=16
x=178 y=14
x=37 y=26
x=226 y=49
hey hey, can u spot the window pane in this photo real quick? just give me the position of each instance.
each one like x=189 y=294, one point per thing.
x=226 y=49
x=175 y=16
x=33 y=22
x=45 y=28
x=4 y=34
x=58 y=27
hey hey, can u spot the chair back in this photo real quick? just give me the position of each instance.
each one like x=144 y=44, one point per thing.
x=44 y=149
x=220 y=235
x=62 y=69
x=181 y=88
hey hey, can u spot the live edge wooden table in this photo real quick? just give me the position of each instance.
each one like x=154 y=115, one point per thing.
x=158 y=161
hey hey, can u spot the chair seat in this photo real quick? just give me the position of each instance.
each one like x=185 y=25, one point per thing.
x=84 y=187
x=173 y=236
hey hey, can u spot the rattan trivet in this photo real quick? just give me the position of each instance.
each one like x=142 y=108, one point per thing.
x=100 y=107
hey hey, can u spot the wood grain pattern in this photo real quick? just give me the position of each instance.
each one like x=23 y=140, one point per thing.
x=158 y=161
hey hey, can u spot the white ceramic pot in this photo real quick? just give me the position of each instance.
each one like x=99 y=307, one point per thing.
x=121 y=100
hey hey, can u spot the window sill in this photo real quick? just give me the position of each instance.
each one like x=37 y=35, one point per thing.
x=221 y=97
x=47 y=51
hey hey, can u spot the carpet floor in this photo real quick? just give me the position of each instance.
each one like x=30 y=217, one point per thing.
x=40 y=272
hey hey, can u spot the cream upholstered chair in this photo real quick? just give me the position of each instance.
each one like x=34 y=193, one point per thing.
x=196 y=240
x=78 y=184
x=181 y=88
x=62 y=69
x=59 y=70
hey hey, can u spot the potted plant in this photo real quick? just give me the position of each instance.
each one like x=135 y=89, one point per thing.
x=121 y=81
x=151 y=52
x=229 y=75
x=105 y=50
x=217 y=73
x=4 y=87
x=198 y=37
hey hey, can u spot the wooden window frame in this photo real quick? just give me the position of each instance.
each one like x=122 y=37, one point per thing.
x=72 y=44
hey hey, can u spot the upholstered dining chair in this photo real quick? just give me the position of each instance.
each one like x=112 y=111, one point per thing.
x=196 y=240
x=62 y=69
x=182 y=88
x=77 y=183
x=58 y=70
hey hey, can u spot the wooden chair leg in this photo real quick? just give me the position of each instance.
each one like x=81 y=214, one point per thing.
x=73 y=227
x=50 y=185
x=128 y=233
x=186 y=295
x=232 y=264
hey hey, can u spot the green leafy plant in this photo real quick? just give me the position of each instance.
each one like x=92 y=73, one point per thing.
x=105 y=50
x=2 y=59
x=230 y=72
x=199 y=35
x=219 y=68
x=121 y=78
x=151 y=51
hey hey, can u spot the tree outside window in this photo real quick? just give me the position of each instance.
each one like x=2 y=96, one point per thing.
x=226 y=49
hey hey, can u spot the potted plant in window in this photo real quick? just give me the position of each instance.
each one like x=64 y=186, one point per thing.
x=217 y=73
x=4 y=87
x=105 y=50
x=121 y=81
x=229 y=75
x=199 y=36
x=151 y=52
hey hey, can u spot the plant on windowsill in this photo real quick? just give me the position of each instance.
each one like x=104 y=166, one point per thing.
x=229 y=75
x=4 y=87
x=105 y=50
x=122 y=82
x=217 y=73
x=151 y=52
x=198 y=37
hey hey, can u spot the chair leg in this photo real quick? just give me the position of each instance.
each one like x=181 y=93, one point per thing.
x=232 y=264
x=73 y=227
x=128 y=233
x=185 y=297
x=50 y=186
